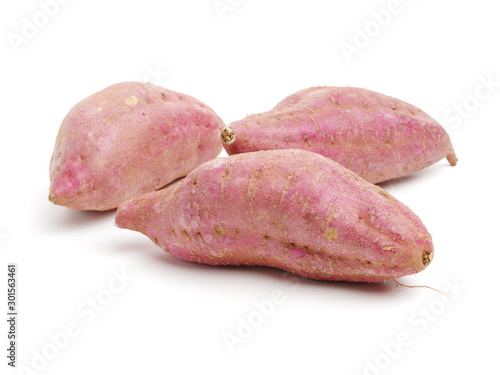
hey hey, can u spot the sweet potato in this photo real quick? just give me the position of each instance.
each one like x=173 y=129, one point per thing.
x=128 y=139
x=291 y=209
x=373 y=135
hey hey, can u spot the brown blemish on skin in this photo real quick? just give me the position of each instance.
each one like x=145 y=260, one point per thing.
x=132 y=100
x=280 y=226
x=364 y=262
x=385 y=194
x=330 y=234
x=285 y=188
x=227 y=171
x=304 y=208
x=186 y=234
x=290 y=245
x=195 y=256
x=218 y=231
x=331 y=212
x=52 y=198
x=252 y=183
x=199 y=236
x=247 y=142
x=155 y=240
x=306 y=140
x=427 y=257
x=315 y=123
x=312 y=110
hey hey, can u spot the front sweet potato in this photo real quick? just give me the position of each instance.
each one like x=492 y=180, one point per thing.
x=289 y=209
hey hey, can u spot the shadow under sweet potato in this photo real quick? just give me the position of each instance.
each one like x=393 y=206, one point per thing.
x=236 y=274
x=61 y=219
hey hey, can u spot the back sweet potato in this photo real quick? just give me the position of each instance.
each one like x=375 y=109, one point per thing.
x=373 y=135
x=129 y=139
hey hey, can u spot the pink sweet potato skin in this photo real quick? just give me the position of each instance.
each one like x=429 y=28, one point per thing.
x=373 y=135
x=126 y=140
x=290 y=209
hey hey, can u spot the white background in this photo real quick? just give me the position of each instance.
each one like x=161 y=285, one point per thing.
x=172 y=317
